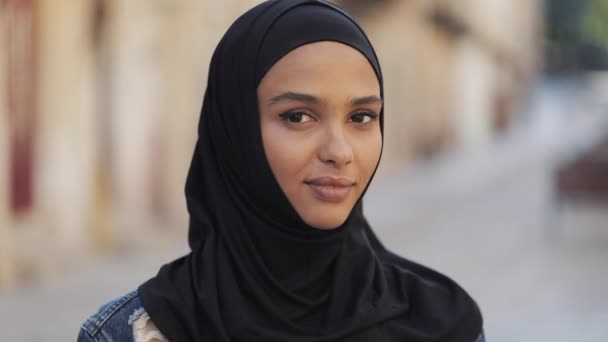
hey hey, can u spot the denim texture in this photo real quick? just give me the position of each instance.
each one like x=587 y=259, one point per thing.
x=113 y=321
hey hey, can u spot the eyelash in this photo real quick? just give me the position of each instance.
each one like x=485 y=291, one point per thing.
x=372 y=116
x=286 y=116
x=289 y=115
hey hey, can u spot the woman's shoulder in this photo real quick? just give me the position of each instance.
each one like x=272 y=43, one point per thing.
x=121 y=319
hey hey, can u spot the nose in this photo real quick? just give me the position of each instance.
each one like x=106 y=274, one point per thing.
x=335 y=149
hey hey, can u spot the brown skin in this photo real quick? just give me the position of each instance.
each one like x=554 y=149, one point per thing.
x=319 y=108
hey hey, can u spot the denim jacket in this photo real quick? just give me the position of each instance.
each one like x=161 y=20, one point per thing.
x=124 y=319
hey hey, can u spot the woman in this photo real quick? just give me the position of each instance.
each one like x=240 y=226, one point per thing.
x=289 y=138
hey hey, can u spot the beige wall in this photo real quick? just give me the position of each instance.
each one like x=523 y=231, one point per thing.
x=7 y=273
x=65 y=150
x=497 y=60
x=157 y=55
x=443 y=91
x=161 y=56
x=474 y=82
x=138 y=97
x=416 y=61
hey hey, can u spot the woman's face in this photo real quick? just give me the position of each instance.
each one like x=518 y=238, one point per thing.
x=319 y=111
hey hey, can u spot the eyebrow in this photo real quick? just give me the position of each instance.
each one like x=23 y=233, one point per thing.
x=301 y=97
x=366 y=100
x=292 y=96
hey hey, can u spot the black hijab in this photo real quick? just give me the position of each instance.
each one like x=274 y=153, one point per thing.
x=256 y=271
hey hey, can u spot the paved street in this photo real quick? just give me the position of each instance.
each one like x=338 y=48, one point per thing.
x=484 y=218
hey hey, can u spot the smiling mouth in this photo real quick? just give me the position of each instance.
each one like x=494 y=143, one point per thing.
x=328 y=189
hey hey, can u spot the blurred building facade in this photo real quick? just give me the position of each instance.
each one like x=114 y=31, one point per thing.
x=99 y=102
x=455 y=74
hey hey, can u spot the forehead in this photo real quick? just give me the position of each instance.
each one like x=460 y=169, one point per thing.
x=322 y=65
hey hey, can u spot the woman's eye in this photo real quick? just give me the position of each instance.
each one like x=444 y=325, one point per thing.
x=296 y=117
x=363 y=117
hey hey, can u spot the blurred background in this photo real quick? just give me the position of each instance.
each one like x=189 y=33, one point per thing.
x=495 y=169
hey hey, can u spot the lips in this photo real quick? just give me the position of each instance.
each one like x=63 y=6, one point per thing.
x=330 y=189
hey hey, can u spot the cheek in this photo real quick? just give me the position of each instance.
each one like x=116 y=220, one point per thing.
x=287 y=154
x=368 y=152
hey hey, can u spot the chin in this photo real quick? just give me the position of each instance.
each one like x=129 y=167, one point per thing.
x=326 y=223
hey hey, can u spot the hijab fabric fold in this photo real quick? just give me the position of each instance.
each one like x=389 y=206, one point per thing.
x=256 y=271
